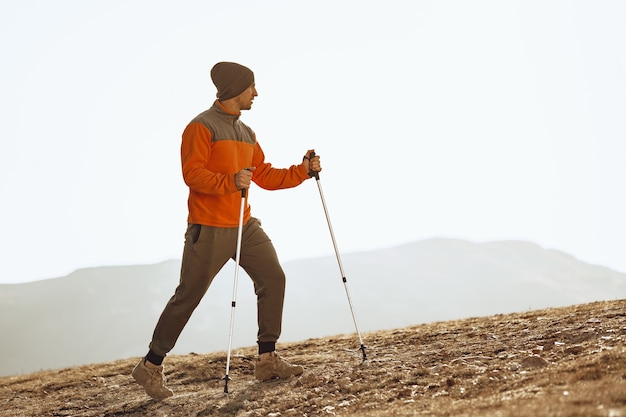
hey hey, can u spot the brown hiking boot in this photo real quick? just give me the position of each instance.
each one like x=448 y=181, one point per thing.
x=152 y=380
x=269 y=365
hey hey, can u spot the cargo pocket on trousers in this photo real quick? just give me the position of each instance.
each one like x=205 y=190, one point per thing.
x=194 y=231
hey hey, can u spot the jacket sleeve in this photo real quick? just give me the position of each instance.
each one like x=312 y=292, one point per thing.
x=270 y=178
x=195 y=155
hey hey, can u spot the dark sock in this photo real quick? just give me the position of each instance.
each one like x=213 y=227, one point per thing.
x=265 y=347
x=154 y=359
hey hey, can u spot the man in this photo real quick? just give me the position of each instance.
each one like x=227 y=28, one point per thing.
x=220 y=157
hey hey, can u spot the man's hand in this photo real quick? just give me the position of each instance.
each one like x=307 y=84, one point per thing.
x=311 y=164
x=243 y=178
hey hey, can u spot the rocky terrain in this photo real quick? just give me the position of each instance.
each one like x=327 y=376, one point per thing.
x=568 y=361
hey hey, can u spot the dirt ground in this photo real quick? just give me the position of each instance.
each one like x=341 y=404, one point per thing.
x=564 y=362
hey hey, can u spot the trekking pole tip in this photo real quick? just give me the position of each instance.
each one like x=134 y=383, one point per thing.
x=362 y=348
x=226 y=379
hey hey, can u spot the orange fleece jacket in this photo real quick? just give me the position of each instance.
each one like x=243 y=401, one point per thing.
x=209 y=165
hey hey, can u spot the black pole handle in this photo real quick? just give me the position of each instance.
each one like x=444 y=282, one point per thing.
x=312 y=173
x=243 y=190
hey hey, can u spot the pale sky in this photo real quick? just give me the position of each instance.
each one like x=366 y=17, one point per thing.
x=482 y=120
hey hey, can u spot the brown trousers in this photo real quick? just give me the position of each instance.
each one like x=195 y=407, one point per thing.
x=207 y=249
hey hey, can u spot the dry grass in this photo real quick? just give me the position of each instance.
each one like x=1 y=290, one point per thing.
x=557 y=362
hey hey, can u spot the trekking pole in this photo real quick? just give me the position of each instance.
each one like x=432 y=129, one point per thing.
x=234 y=300
x=343 y=275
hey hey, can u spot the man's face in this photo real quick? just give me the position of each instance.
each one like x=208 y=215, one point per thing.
x=244 y=100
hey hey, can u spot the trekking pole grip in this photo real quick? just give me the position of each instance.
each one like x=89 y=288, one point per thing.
x=243 y=192
x=312 y=173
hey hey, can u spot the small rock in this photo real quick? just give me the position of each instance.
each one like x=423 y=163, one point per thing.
x=514 y=366
x=534 y=361
x=574 y=350
x=329 y=409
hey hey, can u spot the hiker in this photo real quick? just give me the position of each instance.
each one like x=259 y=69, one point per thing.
x=220 y=157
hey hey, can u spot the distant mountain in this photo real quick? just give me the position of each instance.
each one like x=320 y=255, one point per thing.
x=102 y=314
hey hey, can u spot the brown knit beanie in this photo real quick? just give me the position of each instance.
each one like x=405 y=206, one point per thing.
x=231 y=79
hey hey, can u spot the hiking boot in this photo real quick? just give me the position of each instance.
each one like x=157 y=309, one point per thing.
x=269 y=365
x=152 y=380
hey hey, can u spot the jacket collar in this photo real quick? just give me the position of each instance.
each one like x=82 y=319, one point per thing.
x=222 y=109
